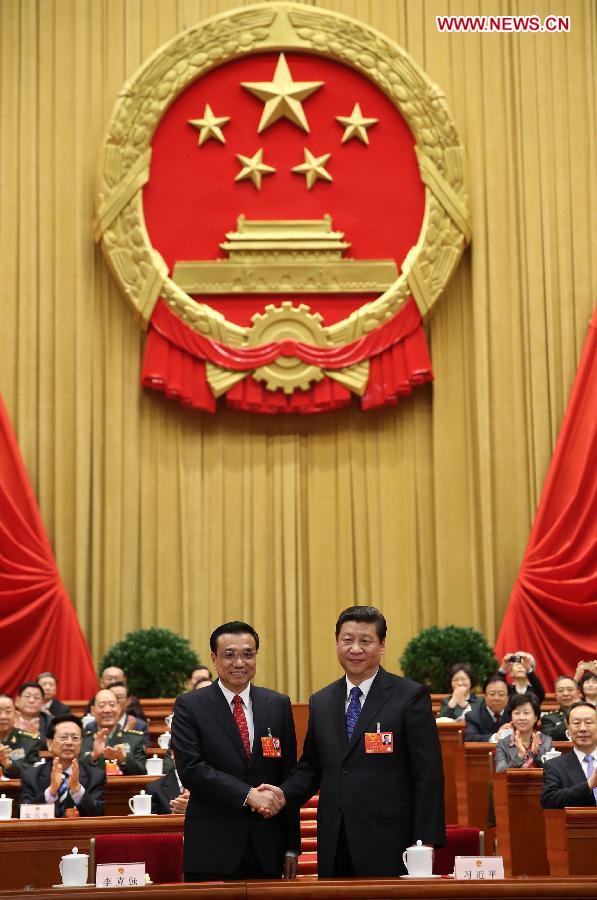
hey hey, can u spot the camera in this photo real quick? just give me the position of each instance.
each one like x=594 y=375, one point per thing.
x=515 y=658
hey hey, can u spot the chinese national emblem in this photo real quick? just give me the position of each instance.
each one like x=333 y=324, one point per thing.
x=282 y=201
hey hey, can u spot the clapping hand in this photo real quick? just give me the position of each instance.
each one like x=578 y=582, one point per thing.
x=55 y=777
x=4 y=756
x=75 y=784
x=117 y=753
x=99 y=743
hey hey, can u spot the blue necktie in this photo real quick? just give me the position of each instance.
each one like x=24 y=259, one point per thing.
x=62 y=797
x=590 y=770
x=354 y=710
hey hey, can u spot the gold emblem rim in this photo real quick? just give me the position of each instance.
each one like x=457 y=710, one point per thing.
x=125 y=159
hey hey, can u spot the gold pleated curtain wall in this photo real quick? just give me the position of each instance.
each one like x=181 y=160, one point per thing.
x=163 y=516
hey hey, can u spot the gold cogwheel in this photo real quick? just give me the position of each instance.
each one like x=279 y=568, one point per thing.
x=287 y=322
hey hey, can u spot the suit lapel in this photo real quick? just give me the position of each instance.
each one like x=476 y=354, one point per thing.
x=337 y=705
x=575 y=770
x=375 y=700
x=220 y=710
x=260 y=704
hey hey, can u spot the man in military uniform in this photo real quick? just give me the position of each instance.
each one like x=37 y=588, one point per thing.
x=107 y=741
x=18 y=749
x=554 y=723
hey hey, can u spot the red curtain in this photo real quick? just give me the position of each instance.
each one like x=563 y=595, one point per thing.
x=39 y=629
x=553 y=606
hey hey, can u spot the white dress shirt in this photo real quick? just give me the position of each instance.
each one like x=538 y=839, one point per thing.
x=365 y=687
x=245 y=696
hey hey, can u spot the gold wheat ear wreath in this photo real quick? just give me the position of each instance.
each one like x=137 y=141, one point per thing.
x=287 y=255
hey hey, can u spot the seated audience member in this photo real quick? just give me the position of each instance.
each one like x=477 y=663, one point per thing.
x=18 y=749
x=521 y=666
x=571 y=779
x=588 y=687
x=126 y=721
x=167 y=793
x=30 y=716
x=461 y=700
x=525 y=746
x=200 y=674
x=49 y=685
x=63 y=780
x=554 y=723
x=488 y=719
x=113 y=675
x=111 y=742
x=203 y=683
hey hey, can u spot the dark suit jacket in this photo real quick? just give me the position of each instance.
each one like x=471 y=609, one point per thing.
x=162 y=792
x=213 y=765
x=480 y=725
x=387 y=801
x=565 y=783
x=58 y=708
x=36 y=779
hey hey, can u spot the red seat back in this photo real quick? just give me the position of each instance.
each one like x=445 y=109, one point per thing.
x=461 y=841
x=161 y=853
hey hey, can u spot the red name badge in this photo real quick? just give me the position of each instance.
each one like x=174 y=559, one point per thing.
x=379 y=742
x=271 y=747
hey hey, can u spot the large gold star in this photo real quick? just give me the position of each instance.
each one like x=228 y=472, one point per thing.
x=253 y=168
x=282 y=96
x=209 y=125
x=356 y=125
x=314 y=168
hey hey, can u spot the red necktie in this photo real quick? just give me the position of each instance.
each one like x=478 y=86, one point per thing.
x=240 y=719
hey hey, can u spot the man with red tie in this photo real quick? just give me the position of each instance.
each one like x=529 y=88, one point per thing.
x=228 y=739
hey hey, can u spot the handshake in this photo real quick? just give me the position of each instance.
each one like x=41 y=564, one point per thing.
x=267 y=800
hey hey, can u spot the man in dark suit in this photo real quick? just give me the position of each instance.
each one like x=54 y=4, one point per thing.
x=373 y=751
x=49 y=685
x=63 y=780
x=571 y=779
x=486 y=720
x=227 y=739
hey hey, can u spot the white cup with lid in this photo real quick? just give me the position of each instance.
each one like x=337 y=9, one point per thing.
x=140 y=804
x=5 y=807
x=418 y=860
x=155 y=765
x=74 y=868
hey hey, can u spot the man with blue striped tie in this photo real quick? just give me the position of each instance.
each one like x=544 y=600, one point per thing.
x=63 y=780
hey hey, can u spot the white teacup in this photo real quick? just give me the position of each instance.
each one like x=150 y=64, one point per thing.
x=154 y=765
x=5 y=807
x=140 y=804
x=418 y=860
x=74 y=868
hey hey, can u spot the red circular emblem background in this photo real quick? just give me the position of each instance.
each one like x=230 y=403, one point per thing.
x=191 y=200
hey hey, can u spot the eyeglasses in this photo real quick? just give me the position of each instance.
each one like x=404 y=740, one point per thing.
x=63 y=738
x=229 y=655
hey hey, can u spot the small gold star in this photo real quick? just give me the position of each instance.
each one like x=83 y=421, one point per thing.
x=282 y=96
x=209 y=125
x=356 y=125
x=314 y=168
x=253 y=168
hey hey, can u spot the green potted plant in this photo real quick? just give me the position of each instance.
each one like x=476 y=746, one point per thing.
x=427 y=658
x=156 y=661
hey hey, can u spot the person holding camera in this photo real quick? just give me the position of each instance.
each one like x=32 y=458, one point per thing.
x=520 y=665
